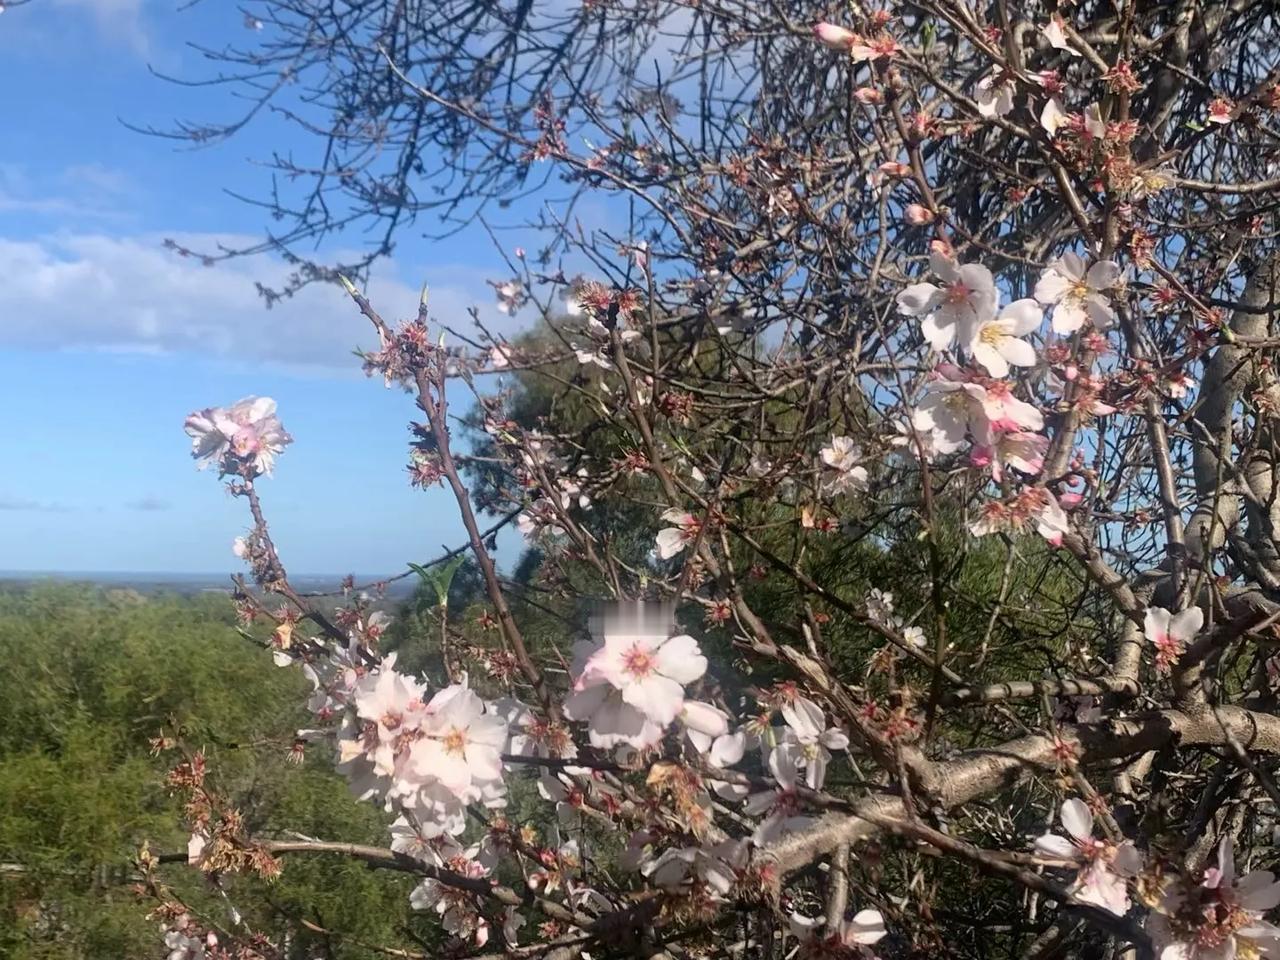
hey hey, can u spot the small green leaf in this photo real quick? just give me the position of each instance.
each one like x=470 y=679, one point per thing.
x=439 y=576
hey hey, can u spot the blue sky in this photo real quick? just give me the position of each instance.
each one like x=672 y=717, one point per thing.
x=107 y=340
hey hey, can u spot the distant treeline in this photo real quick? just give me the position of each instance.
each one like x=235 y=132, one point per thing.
x=90 y=676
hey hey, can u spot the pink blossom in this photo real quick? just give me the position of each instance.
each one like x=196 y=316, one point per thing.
x=842 y=457
x=1020 y=449
x=995 y=94
x=996 y=342
x=461 y=743
x=890 y=169
x=1052 y=116
x=672 y=540
x=1170 y=633
x=243 y=439
x=873 y=48
x=965 y=299
x=833 y=36
x=918 y=215
x=1033 y=506
x=511 y=295
x=1221 y=110
x=782 y=805
x=1102 y=866
x=1077 y=293
x=1220 y=918
x=815 y=743
x=630 y=688
x=1000 y=411
x=854 y=935
x=1056 y=34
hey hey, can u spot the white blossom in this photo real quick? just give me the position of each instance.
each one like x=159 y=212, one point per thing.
x=1078 y=293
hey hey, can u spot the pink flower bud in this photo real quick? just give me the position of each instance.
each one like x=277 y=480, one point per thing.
x=868 y=95
x=981 y=456
x=1069 y=501
x=835 y=37
x=917 y=215
x=1220 y=110
x=943 y=248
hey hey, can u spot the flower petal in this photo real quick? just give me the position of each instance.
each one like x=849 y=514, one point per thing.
x=681 y=659
x=1077 y=818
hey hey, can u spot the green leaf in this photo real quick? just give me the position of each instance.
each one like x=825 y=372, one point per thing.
x=439 y=576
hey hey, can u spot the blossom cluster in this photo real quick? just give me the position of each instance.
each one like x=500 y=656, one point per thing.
x=963 y=406
x=242 y=440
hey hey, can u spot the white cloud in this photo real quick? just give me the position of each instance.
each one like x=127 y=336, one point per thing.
x=82 y=191
x=116 y=18
x=80 y=291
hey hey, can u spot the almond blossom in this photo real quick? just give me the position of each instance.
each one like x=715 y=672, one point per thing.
x=1221 y=110
x=815 y=745
x=1032 y=506
x=390 y=705
x=243 y=439
x=1170 y=633
x=511 y=295
x=1220 y=918
x=630 y=688
x=537 y=518
x=1078 y=293
x=457 y=908
x=461 y=743
x=1052 y=117
x=1056 y=34
x=181 y=945
x=718 y=866
x=703 y=724
x=672 y=540
x=995 y=94
x=855 y=935
x=999 y=409
x=781 y=806
x=834 y=36
x=842 y=457
x=1102 y=867
x=958 y=404
x=966 y=297
x=918 y=215
x=1020 y=449
x=873 y=48
x=996 y=342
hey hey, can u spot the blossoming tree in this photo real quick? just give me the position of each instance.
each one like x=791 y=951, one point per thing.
x=979 y=298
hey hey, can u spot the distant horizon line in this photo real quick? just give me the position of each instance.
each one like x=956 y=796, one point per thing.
x=171 y=574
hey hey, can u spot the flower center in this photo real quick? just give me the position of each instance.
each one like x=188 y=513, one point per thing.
x=638 y=662
x=455 y=742
x=957 y=293
x=991 y=335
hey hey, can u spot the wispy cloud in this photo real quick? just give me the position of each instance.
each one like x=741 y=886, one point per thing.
x=78 y=291
x=83 y=191
x=25 y=505
x=149 y=504
x=121 y=19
